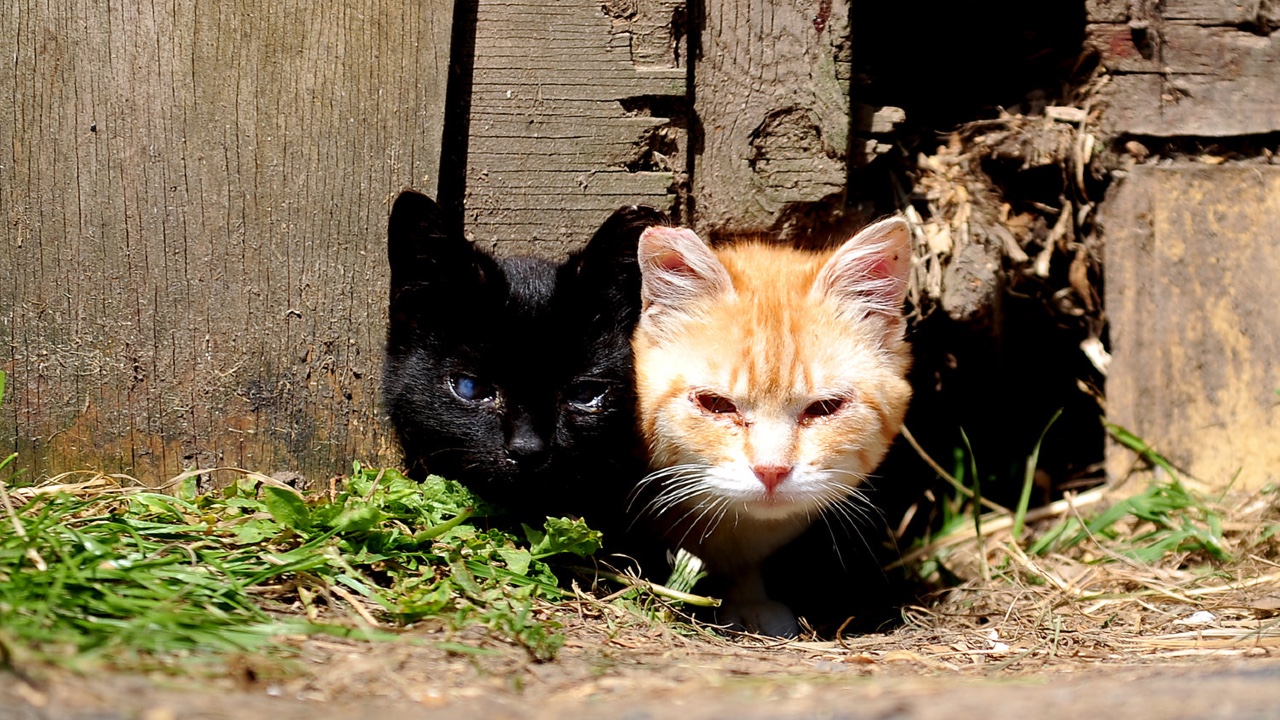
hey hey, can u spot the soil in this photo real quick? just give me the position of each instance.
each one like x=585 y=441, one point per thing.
x=645 y=670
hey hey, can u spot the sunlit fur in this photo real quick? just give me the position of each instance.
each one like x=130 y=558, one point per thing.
x=772 y=330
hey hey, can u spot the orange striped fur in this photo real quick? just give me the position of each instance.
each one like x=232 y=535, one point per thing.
x=741 y=355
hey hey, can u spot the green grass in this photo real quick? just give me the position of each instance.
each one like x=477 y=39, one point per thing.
x=1165 y=518
x=1169 y=519
x=1165 y=521
x=132 y=575
x=96 y=573
x=1028 y=478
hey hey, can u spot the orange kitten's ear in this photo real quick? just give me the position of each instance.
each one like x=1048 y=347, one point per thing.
x=870 y=271
x=678 y=269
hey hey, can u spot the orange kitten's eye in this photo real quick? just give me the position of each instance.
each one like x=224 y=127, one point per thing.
x=717 y=404
x=823 y=408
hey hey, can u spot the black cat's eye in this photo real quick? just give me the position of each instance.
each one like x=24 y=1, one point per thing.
x=715 y=404
x=587 y=395
x=823 y=408
x=471 y=388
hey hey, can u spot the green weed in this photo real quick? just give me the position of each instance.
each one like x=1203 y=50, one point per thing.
x=1165 y=518
x=1028 y=478
x=1176 y=521
x=136 y=573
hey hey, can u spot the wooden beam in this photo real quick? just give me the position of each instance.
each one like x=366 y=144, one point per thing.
x=1202 y=68
x=1192 y=256
x=576 y=109
x=771 y=98
x=193 y=248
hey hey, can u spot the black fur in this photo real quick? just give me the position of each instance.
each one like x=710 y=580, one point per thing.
x=542 y=339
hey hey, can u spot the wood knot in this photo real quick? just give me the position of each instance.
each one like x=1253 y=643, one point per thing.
x=620 y=9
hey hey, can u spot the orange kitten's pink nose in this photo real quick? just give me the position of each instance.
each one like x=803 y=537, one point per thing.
x=771 y=474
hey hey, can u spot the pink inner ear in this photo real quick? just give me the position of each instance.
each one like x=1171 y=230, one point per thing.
x=871 y=269
x=672 y=262
x=881 y=268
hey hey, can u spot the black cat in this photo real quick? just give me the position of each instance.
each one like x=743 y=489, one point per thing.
x=514 y=375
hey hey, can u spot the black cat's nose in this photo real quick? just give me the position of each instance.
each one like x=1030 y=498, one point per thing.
x=525 y=443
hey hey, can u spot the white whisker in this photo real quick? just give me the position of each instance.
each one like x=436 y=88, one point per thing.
x=706 y=508
x=835 y=543
x=675 y=484
x=715 y=521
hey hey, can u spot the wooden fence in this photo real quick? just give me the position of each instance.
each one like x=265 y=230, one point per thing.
x=194 y=195
x=194 y=200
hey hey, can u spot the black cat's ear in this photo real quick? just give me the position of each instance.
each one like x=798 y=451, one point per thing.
x=422 y=247
x=608 y=261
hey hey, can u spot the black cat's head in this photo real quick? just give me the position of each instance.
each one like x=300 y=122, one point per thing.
x=514 y=376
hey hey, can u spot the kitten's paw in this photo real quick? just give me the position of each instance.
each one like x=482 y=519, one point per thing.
x=766 y=617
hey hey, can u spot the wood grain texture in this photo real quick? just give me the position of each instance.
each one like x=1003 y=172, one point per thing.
x=193 y=249
x=1192 y=256
x=571 y=117
x=1107 y=11
x=771 y=97
x=1203 y=12
x=1214 y=12
x=1192 y=67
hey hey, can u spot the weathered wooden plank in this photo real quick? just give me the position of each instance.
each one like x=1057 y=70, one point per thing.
x=1192 y=256
x=194 y=199
x=767 y=82
x=559 y=152
x=1199 y=12
x=656 y=29
x=1212 y=12
x=599 y=128
x=1224 y=52
x=1107 y=11
x=1189 y=80
x=1190 y=105
x=562 y=125
x=557 y=182
x=587 y=110
x=528 y=86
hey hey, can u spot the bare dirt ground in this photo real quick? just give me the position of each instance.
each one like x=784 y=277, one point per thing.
x=1081 y=632
x=1078 y=630
x=618 y=669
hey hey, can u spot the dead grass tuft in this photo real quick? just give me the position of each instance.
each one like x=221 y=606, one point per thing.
x=1083 y=585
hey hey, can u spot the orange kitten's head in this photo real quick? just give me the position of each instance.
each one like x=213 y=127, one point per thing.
x=771 y=380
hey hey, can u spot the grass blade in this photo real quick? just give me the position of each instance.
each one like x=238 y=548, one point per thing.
x=117 y=574
x=1143 y=449
x=1020 y=513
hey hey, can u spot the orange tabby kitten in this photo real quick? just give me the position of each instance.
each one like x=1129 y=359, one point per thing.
x=771 y=383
